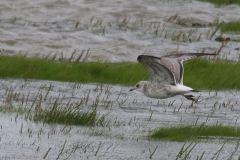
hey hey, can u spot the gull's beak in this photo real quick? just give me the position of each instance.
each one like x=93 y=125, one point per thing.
x=132 y=89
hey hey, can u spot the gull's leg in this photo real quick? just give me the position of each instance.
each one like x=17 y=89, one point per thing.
x=190 y=97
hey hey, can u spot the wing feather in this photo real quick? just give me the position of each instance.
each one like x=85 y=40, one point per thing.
x=158 y=72
x=167 y=69
x=176 y=61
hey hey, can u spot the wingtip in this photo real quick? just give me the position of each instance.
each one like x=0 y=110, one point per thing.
x=209 y=53
x=139 y=57
x=193 y=54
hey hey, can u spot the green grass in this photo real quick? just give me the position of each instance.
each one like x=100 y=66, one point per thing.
x=34 y=68
x=68 y=116
x=223 y=2
x=186 y=133
x=218 y=75
x=199 y=73
x=10 y=109
x=230 y=27
x=60 y=115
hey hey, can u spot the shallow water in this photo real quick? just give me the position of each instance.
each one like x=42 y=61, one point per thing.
x=22 y=139
x=114 y=31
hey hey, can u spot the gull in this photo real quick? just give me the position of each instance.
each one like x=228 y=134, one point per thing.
x=166 y=76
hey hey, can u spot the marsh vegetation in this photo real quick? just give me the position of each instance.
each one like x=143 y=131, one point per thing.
x=201 y=73
x=222 y=2
x=193 y=132
x=232 y=27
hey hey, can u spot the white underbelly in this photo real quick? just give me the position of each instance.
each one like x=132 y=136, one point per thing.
x=168 y=91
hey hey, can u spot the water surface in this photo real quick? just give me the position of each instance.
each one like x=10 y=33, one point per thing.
x=114 y=31
x=136 y=117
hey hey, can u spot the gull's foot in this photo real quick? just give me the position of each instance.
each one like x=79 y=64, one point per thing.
x=190 y=97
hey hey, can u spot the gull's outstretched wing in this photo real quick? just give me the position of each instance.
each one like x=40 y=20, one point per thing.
x=167 y=69
x=158 y=72
x=174 y=63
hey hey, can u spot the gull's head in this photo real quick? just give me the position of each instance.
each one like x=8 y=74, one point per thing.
x=139 y=86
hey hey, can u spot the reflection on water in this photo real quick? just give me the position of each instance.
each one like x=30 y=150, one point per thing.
x=136 y=116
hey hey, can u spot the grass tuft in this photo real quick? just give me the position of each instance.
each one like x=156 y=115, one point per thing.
x=186 y=133
x=222 y=2
x=69 y=116
x=231 y=27
x=60 y=115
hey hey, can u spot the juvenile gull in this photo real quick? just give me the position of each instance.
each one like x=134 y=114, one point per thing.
x=166 y=76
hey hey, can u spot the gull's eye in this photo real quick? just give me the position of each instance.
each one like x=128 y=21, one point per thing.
x=137 y=85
